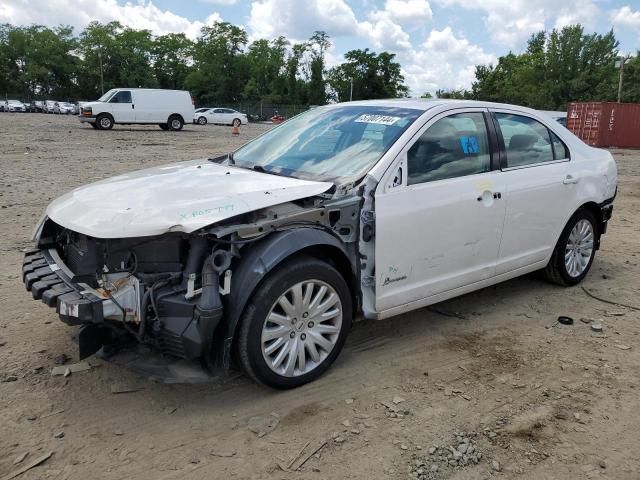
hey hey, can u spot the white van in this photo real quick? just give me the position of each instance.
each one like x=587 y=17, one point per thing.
x=167 y=108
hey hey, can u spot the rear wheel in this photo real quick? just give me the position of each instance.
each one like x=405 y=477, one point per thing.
x=175 y=123
x=575 y=250
x=202 y=121
x=94 y=125
x=105 y=122
x=296 y=323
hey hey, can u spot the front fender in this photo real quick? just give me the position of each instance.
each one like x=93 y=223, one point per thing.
x=260 y=258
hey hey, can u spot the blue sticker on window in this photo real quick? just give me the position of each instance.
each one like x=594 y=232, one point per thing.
x=469 y=144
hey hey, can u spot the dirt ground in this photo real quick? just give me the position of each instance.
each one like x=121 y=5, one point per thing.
x=536 y=399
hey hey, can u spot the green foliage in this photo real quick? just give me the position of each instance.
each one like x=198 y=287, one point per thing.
x=631 y=87
x=37 y=59
x=371 y=76
x=556 y=68
x=218 y=67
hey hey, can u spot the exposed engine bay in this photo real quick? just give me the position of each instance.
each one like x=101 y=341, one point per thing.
x=177 y=292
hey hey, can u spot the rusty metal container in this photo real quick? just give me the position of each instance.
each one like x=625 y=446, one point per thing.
x=605 y=124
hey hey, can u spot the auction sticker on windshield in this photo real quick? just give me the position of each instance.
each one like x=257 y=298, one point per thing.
x=380 y=119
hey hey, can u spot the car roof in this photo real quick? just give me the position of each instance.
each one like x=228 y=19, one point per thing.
x=426 y=104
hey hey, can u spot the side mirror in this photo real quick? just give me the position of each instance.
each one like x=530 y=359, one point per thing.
x=397 y=178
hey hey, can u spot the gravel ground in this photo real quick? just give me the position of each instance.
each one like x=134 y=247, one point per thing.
x=496 y=389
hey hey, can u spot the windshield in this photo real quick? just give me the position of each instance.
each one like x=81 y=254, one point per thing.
x=328 y=143
x=14 y=101
x=107 y=95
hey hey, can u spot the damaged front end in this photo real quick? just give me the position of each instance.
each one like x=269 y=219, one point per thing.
x=162 y=291
x=174 y=292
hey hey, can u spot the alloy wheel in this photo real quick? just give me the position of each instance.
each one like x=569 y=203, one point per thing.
x=579 y=248
x=301 y=328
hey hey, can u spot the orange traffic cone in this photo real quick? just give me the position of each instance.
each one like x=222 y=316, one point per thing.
x=235 y=131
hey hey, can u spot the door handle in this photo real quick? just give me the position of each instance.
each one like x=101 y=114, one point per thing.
x=570 y=180
x=133 y=105
x=496 y=195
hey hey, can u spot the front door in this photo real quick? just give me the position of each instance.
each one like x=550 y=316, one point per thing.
x=439 y=222
x=122 y=107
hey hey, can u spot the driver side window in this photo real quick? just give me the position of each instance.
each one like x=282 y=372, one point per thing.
x=121 y=97
x=454 y=146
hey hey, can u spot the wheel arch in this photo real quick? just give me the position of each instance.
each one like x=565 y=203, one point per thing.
x=106 y=114
x=264 y=257
x=596 y=211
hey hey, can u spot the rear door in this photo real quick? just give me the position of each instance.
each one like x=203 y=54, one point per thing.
x=541 y=189
x=439 y=211
x=122 y=107
x=217 y=115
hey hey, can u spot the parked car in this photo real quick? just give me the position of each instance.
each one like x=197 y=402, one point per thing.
x=49 y=106
x=64 y=107
x=370 y=208
x=14 y=106
x=38 y=106
x=166 y=108
x=220 y=116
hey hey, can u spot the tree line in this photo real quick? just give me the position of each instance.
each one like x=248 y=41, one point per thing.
x=556 y=68
x=220 y=66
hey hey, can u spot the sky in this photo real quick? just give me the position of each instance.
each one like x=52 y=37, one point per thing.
x=437 y=42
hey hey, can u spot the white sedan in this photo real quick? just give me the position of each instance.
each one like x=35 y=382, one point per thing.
x=220 y=116
x=365 y=209
x=15 y=106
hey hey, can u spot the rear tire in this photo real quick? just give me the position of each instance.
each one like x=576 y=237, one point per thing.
x=94 y=125
x=575 y=250
x=163 y=126
x=104 y=121
x=310 y=340
x=175 y=123
x=202 y=121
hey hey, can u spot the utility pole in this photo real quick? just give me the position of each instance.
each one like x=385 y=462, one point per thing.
x=351 y=91
x=620 y=64
x=101 y=74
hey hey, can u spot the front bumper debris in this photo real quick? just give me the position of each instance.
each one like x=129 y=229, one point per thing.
x=48 y=281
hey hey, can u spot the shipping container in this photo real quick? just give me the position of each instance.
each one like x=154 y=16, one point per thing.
x=605 y=124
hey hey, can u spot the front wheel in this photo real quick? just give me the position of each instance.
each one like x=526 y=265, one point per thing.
x=575 y=250
x=105 y=122
x=296 y=323
x=202 y=121
x=237 y=122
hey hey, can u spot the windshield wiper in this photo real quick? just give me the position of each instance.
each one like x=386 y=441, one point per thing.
x=261 y=169
x=222 y=158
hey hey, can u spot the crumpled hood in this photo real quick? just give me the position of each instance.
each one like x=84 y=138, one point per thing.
x=180 y=197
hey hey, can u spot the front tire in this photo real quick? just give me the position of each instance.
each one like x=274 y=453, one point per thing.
x=236 y=122
x=202 y=121
x=296 y=323
x=105 y=122
x=575 y=250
